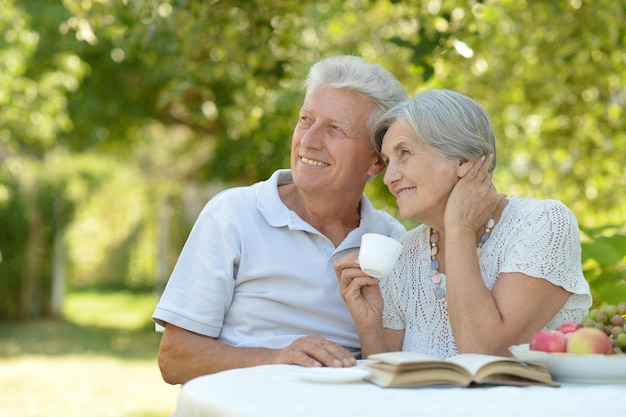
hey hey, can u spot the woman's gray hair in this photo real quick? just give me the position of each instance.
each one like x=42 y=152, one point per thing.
x=356 y=74
x=453 y=125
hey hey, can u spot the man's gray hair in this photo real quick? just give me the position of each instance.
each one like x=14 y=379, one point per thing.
x=356 y=74
x=453 y=125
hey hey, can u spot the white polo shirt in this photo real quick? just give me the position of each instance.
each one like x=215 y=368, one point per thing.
x=254 y=274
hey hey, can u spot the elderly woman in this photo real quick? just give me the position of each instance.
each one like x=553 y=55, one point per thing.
x=481 y=272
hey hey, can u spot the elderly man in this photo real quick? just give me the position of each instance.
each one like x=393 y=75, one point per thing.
x=254 y=283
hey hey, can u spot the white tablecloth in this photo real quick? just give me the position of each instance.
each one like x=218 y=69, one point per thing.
x=277 y=391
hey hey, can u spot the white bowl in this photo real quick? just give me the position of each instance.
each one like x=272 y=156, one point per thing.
x=568 y=367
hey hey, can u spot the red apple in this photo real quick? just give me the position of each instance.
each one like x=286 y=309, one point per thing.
x=589 y=340
x=568 y=327
x=548 y=341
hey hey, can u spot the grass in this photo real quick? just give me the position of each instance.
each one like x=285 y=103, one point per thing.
x=100 y=361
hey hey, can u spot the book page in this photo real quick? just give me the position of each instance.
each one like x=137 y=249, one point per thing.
x=474 y=361
x=398 y=358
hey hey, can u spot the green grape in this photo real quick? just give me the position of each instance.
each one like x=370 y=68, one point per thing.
x=617 y=320
x=621 y=340
x=593 y=314
x=621 y=308
x=588 y=322
x=602 y=316
x=617 y=330
x=610 y=310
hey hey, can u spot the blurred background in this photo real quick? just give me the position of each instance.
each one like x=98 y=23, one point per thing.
x=119 y=119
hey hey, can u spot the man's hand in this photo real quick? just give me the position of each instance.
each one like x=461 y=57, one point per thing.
x=315 y=351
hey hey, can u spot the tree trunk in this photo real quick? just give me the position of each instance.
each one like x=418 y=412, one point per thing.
x=28 y=302
x=58 y=259
x=163 y=246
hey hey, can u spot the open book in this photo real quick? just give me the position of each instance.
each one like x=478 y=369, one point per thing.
x=410 y=369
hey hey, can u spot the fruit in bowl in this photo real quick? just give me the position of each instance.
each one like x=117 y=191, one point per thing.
x=589 y=340
x=602 y=331
x=568 y=328
x=548 y=341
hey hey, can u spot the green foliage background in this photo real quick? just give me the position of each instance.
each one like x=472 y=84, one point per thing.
x=120 y=118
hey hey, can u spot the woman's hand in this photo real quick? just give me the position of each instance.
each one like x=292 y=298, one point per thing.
x=473 y=200
x=360 y=291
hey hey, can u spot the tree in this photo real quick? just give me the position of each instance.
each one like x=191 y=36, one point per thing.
x=189 y=92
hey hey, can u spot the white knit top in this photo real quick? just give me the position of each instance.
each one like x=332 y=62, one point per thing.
x=539 y=238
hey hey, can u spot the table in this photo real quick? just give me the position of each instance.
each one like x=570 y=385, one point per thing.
x=278 y=391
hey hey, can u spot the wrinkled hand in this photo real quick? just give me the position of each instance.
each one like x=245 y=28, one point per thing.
x=315 y=351
x=360 y=291
x=473 y=199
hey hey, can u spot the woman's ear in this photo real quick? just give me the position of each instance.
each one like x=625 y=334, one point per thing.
x=464 y=167
x=377 y=166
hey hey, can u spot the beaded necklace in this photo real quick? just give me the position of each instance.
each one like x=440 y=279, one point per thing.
x=439 y=278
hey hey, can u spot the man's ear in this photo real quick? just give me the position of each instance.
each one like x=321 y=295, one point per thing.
x=377 y=166
x=464 y=167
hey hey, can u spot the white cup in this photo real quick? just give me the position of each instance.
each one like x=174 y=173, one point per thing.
x=378 y=254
